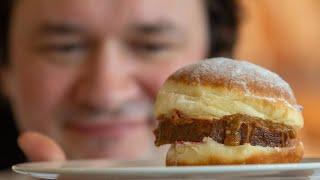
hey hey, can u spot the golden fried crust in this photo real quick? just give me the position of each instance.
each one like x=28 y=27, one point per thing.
x=213 y=88
x=244 y=77
x=194 y=156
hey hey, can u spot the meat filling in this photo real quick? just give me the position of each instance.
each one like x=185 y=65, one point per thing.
x=231 y=130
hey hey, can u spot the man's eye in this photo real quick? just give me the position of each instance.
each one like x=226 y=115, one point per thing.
x=65 y=53
x=153 y=47
x=150 y=47
x=66 y=48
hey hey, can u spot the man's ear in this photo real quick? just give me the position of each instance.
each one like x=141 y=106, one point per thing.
x=6 y=82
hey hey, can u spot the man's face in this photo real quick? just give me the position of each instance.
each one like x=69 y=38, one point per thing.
x=85 y=72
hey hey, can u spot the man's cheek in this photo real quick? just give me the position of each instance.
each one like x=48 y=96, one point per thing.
x=37 y=113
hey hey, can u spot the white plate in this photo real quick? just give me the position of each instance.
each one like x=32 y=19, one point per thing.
x=309 y=168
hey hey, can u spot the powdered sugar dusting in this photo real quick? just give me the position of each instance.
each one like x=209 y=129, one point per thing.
x=242 y=74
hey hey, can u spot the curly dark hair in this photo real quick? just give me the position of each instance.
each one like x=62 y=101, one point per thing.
x=222 y=19
x=5 y=13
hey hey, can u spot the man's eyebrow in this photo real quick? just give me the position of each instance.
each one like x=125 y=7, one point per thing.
x=155 y=28
x=59 y=29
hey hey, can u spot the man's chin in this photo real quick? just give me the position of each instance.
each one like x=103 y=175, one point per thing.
x=128 y=146
x=118 y=152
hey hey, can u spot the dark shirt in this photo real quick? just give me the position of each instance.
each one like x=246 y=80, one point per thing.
x=10 y=153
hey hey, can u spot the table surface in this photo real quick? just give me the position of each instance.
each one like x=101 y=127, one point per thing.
x=10 y=175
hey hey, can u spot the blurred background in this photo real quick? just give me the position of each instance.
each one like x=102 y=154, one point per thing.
x=284 y=36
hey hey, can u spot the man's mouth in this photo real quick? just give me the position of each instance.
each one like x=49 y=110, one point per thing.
x=104 y=122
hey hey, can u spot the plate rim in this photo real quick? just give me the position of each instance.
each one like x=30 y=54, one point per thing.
x=178 y=170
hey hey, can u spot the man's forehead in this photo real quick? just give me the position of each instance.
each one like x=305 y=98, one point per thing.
x=99 y=12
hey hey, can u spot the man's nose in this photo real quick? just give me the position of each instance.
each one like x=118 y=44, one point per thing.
x=106 y=80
